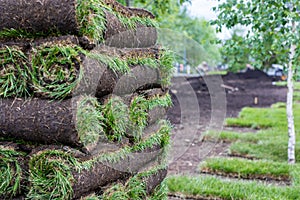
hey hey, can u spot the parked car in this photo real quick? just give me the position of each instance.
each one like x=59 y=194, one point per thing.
x=276 y=71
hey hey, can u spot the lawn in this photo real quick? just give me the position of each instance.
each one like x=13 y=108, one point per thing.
x=255 y=166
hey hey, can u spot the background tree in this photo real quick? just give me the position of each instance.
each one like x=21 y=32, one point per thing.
x=234 y=53
x=198 y=30
x=278 y=21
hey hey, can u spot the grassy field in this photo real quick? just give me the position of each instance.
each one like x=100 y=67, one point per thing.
x=255 y=166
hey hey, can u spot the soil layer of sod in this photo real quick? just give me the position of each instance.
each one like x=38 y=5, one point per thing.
x=264 y=177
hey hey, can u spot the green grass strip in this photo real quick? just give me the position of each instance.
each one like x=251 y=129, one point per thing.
x=228 y=136
x=226 y=189
x=243 y=168
x=284 y=83
x=268 y=144
x=116 y=118
x=274 y=149
x=90 y=121
x=259 y=118
x=11 y=173
x=14 y=73
x=138 y=112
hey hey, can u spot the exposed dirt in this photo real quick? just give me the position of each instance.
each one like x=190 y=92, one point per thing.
x=203 y=103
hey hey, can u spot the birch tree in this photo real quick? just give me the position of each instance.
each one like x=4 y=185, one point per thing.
x=273 y=19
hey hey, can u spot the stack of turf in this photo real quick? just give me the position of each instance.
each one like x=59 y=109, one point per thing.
x=84 y=92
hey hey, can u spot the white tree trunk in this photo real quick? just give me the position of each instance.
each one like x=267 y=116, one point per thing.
x=289 y=106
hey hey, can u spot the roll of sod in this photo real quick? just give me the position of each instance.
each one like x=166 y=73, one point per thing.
x=60 y=70
x=79 y=122
x=58 y=173
x=94 y=19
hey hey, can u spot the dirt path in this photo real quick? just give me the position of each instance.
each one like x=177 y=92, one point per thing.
x=202 y=104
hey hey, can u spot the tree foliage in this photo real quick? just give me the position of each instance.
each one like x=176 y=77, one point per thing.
x=234 y=53
x=198 y=30
x=269 y=35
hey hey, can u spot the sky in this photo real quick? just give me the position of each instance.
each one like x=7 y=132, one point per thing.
x=203 y=9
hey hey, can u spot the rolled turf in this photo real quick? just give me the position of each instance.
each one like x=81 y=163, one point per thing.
x=57 y=173
x=96 y=19
x=81 y=121
x=60 y=69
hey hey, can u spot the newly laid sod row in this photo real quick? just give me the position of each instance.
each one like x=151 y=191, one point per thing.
x=199 y=187
x=284 y=83
x=248 y=169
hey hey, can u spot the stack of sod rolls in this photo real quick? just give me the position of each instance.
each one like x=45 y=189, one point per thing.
x=83 y=98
